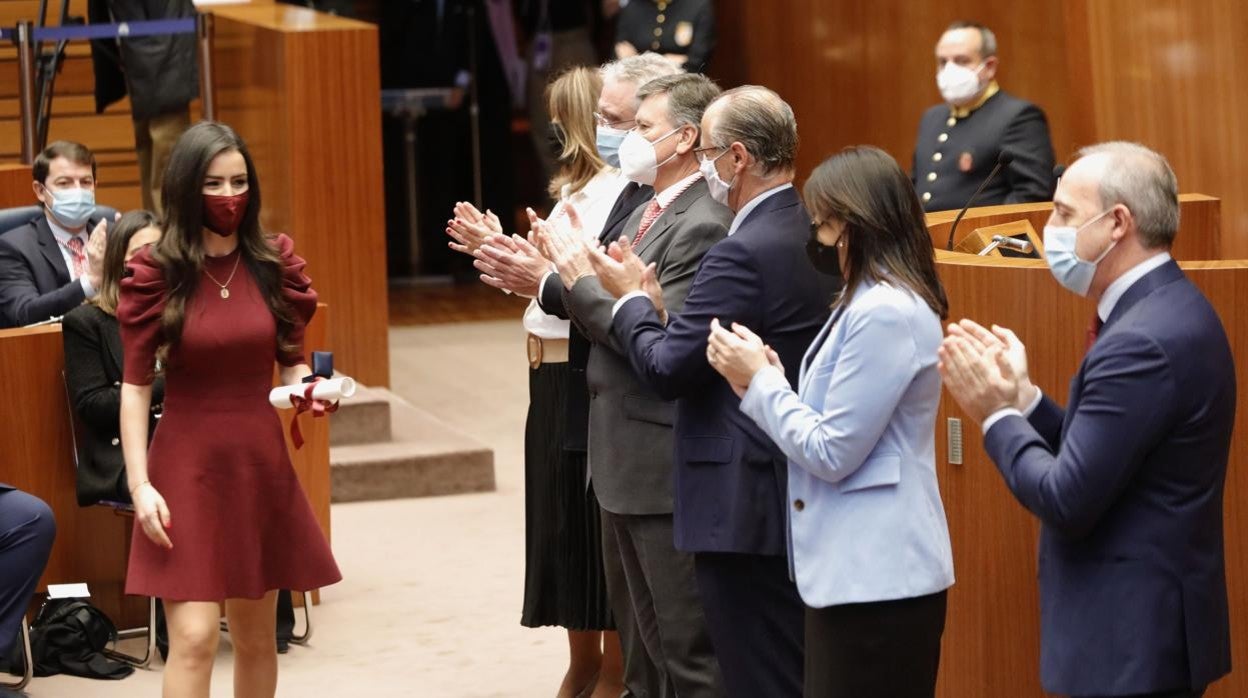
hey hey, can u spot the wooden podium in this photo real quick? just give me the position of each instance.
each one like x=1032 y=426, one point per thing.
x=992 y=636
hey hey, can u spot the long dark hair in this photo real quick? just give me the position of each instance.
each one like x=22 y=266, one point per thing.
x=885 y=230
x=114 y=265
x=180 y=251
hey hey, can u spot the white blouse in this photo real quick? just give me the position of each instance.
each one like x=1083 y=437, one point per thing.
x=593 y=203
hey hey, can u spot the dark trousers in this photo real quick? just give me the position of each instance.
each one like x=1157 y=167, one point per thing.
x=667 y=607
x=756 y=618
x=641 y=676
x=889 y=649
x=26 y=534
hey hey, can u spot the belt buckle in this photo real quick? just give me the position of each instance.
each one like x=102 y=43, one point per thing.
x=534 y=348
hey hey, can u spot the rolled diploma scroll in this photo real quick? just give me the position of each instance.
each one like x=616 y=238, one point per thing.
x=327 y=390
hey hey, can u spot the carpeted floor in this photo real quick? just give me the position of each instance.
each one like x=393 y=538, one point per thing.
x=430 y=603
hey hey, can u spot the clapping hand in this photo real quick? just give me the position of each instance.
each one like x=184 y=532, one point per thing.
x=97 y=242
x=739 y=355
x=512 y=264
x=470 y=228
x=985 y=371
x=564 y=246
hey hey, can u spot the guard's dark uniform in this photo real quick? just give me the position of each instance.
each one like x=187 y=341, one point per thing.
x=685 y=27
x=958 y=147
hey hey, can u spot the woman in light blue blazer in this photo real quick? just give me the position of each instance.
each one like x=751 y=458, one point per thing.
x=869 y=545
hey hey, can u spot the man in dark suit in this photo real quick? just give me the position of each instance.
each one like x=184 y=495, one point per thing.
x=731 y=480
x=630 y=426
x=520 y=269
x=1128 y=480
x=960 y=141
x=49 y=266
x=26 y=534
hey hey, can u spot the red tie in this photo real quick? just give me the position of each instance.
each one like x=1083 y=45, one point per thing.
x=1094 y=329
x=76 y=253
x=653 y=211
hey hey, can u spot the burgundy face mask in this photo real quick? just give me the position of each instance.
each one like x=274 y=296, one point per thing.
x=223 y=214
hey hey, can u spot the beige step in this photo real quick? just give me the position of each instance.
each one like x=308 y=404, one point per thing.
x=362 y=418
x=426 y=457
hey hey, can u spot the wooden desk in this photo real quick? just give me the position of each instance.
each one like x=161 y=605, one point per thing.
x=1200 y=224
x=91 y=542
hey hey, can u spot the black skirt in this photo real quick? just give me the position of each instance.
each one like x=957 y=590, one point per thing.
x=564 y=583
x=883 y=649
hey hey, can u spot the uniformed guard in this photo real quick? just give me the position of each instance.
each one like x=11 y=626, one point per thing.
x=681 y=30
x=960 y=141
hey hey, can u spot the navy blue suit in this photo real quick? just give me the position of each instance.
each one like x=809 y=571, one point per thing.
x=1128 y=485
x=26 y=534
x=730 y=479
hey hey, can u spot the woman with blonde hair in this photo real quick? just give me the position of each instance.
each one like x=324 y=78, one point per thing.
x=564 y=581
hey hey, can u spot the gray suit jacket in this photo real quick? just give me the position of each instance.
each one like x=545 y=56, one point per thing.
x=630 y=427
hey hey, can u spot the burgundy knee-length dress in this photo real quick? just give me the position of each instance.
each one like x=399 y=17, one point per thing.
x=241 y=523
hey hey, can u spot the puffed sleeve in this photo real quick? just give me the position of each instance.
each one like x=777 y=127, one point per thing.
x=299 y=295
x=139 y=307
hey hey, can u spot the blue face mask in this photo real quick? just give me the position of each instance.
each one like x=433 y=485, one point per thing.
x=1059 y=251
x=72 y=207
x=609 y=140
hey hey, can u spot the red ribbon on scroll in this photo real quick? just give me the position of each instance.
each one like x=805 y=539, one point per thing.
x=306 y=404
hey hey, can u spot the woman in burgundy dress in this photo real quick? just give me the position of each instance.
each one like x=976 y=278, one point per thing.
x=223 y=517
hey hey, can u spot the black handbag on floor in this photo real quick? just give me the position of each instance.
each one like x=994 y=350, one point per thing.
x=69 y=637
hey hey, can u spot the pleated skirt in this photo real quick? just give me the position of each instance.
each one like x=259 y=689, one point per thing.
x=564 y=584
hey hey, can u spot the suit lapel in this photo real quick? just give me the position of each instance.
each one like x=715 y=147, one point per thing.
x=51 y=251
x=668 y=218
x=1165 y=274
x=632 y=197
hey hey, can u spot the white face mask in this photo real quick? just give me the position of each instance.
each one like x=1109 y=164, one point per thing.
x=638 y=159
x=1059 y=251
x=718 y=187
x=958 y=83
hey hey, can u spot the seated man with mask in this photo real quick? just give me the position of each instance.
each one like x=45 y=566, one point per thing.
x=960 y=141
x=51 y=264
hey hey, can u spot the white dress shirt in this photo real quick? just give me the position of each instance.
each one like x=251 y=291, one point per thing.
x=1104 y=307
x=62 y=238
x=593 y=203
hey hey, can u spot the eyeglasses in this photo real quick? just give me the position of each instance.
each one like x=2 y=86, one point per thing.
x=698 y=151
x=604 y=121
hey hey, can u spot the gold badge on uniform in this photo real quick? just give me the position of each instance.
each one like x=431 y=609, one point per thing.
x=965 y=162
x=684 y=33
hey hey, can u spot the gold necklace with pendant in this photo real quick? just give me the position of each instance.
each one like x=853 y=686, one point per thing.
x=225 y=287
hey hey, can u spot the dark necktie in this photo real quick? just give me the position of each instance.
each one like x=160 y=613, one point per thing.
x=1094 y=330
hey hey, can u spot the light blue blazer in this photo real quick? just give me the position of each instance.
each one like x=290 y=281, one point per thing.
x=865 y=517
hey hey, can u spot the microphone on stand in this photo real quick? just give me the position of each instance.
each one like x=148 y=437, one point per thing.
x=1007 y=242
x=1005 y=158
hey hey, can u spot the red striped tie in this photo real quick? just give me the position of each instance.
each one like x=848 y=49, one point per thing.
x=76 y=253
x=653 y=211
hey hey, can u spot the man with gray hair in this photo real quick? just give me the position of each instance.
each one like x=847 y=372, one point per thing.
x=961 y=141
x=731 y=480
x=1128 y=479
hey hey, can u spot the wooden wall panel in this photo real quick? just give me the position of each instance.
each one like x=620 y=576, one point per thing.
x=15 y=188
x=303 y=89
x=1166 y=73
x=863 y=71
